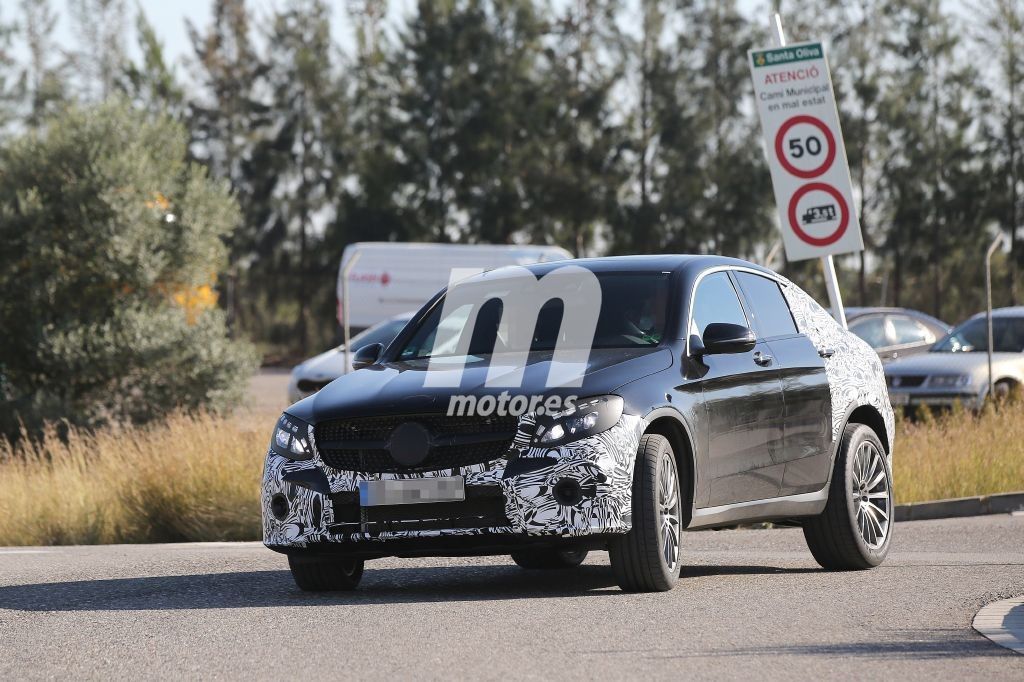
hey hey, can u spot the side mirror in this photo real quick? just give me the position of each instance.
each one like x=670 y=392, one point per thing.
x=367 y=355
x=725 y=337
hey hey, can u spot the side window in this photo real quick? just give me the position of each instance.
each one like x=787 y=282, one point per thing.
x=421 y=345
x=767 y=306
x=910 y=331
x=716 y=301
x=873 y=330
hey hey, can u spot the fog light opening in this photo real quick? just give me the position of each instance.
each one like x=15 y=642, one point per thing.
x=568 y=492
x=279 y=506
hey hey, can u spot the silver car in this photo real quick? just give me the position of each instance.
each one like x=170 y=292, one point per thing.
x=896 y=332
x=310 y=376
x=956 y=368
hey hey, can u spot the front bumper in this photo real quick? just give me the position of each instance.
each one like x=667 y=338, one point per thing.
x=512 y=497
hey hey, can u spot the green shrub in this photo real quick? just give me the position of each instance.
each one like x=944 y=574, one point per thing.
x=110 y=240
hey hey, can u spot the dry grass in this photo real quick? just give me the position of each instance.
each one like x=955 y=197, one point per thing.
x=190 y=478
x=196 y=478
x=960 y=454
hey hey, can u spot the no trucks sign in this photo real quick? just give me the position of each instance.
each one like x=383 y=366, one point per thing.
x=805 y=149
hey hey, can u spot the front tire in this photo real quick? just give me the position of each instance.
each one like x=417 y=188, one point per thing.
x=1002 y=391
x=317 y=574
x=646 y=559
x=854 y=531
x=549 y=559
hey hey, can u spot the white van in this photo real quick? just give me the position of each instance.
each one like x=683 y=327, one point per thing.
x=392 y=278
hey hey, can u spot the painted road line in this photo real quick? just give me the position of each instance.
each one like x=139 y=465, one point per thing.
x=1003 y=623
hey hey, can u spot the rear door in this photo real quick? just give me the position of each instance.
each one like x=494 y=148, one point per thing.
x=743 y=402
x=807 y=415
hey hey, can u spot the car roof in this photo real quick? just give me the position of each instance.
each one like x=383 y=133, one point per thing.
x=853 y=312
x=650 y=263
x=1011 y=311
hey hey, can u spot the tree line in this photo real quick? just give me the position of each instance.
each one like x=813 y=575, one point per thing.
x=605 y=126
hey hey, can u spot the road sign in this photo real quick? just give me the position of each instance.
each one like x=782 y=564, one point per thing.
x=806 y=156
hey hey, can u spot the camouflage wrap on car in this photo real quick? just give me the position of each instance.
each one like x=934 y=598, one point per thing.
x=855 y=374
x=602 y=464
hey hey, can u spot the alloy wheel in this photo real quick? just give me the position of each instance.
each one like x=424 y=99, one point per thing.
x=871 y=494
x=668 y=509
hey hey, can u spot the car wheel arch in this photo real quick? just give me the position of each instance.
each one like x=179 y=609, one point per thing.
x=869 y=416
x=668 y=423
x=1013 y=384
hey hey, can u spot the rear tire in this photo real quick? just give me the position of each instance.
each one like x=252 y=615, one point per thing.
x=316 y=574
x=854 y=531
x=646 y=559
x=549 y=559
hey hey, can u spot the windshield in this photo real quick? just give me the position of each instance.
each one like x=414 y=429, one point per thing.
x=972 y=336
x=632 y=315
x=383 y=333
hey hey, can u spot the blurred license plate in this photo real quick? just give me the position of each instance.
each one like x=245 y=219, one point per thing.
x=934 y=401
x=899 y=398
x=412 y=491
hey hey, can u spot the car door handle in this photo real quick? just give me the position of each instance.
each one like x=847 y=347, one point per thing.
x=763 y=359
x=826 y=352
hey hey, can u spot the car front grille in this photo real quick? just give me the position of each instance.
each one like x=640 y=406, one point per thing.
x=360 y=444
x=905 y=381
x=310 y=386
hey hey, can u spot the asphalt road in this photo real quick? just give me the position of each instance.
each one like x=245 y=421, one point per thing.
x=751 y=603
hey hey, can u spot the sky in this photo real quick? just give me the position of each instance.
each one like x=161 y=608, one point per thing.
x=168 y=18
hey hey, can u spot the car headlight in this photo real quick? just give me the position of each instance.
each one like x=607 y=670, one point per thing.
x=584 y=418
x=291 y=438
x=949 y=380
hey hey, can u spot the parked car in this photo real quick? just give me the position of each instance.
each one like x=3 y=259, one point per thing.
x=715 y=392
x=311 y=375
x=390 y=278
x=896 y=332
x=956 y=368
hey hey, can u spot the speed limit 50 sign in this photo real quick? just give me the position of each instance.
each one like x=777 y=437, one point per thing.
x=806 y=156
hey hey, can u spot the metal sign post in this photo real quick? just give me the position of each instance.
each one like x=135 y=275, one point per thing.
x=810 y=175
x=988 y=297
x=344 y=309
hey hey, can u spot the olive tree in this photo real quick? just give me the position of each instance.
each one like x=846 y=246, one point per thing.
x=110 y=241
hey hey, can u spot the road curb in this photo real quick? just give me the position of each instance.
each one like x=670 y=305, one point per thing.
x=1002 y=622
x=1003 y=503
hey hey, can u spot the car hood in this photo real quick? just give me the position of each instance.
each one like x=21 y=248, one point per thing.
x=950 y=363
x=397 y=388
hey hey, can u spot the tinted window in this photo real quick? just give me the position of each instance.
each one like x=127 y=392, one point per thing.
x=910 y=331
x=716 y=301
x=767 y=306
x=632 y=315
x=872 y=329
x=972 y=336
